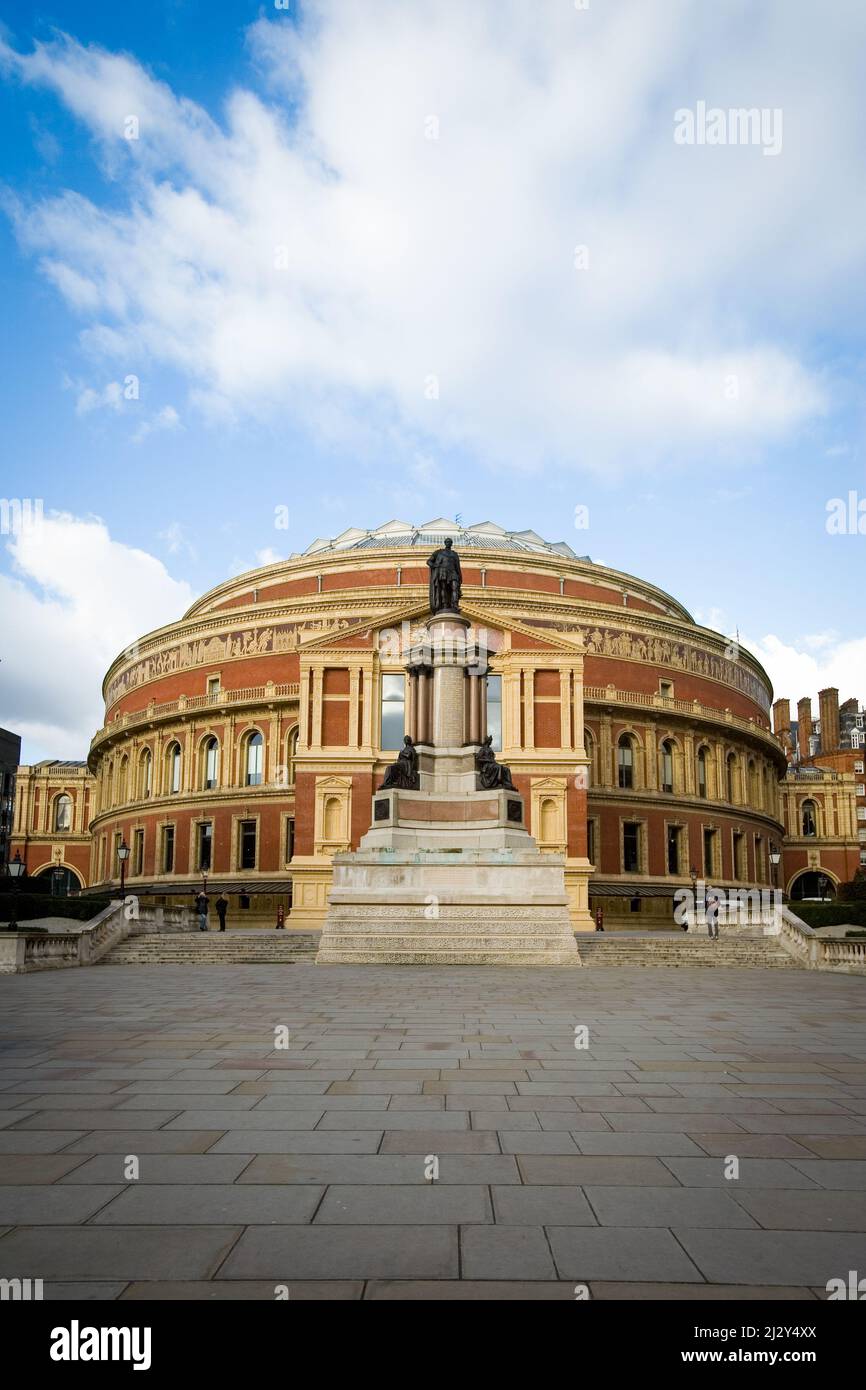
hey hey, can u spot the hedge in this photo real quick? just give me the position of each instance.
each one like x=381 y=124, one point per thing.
x=833 y=914
x=27 y=906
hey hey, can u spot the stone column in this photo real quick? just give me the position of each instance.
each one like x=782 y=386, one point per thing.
x=411 y=704
x=316 y=731
x=367 y=708
x=565 y=733
x=449 y=657
x=474 y=708
x=354 y=688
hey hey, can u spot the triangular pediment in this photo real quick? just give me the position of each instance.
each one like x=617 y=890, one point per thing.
x=479 y=614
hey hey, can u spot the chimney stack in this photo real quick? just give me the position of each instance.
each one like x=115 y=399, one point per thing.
x=804 y=725
x=828 y=703
x=782 y=720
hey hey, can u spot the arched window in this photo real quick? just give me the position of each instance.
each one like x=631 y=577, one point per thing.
x=173 y=768
x=625 y=760
x=667 y=766
x=730 y=770
x=754 y=788
x=123 y=780
x=254 y=751
x=702 y=772
x=809 y=818
x=210 y=768
x=291 y=755
x=63 y=813
x=110 y=797
x=145 y=775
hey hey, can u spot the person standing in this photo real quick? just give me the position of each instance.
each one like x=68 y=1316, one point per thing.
x=201 y=907
x=711 y=913
x=599 y=919
x=222 y=907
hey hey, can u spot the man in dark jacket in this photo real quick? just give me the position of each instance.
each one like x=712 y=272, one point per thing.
x=222 y=907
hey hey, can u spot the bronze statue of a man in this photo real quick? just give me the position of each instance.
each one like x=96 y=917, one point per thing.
x=446 y=578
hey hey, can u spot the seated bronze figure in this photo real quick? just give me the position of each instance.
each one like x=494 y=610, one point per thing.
x=403 y=773
x=492 y=776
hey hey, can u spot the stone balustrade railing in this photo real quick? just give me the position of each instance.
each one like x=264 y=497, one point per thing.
x=22 y=952
x=245 y=694
x=815 y=951
x=603 y=694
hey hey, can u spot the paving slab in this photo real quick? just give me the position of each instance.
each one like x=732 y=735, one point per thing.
x=430 y=1204
x=119 y=1252
x=344 y=1252
x=505 y=1252
x=666 y=1206
x=772 y=1257
x=585 y=1253
x=157 y=1204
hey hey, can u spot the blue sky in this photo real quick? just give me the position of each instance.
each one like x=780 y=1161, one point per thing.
x=375 y=260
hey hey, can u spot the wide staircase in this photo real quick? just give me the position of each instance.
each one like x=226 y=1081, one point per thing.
x=247 y=947
x=679 y=949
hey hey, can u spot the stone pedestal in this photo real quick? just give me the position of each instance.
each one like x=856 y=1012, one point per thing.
x=448 y=874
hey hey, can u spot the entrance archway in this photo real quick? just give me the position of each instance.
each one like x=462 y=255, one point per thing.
x=813 y=886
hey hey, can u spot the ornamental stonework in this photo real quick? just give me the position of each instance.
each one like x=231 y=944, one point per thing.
x=661 y=651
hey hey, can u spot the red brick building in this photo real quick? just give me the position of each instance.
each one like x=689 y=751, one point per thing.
x=245 y=740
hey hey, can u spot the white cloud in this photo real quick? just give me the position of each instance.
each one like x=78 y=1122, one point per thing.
x=165 y=419
x=111 y=396
x=75 y=600
x=321 y=253
x=805 y=665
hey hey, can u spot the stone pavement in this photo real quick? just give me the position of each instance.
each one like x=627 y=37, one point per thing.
x=307 y=1166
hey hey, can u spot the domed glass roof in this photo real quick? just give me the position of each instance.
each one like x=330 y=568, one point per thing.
x=484 y=535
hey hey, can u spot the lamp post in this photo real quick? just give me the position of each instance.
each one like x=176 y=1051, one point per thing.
x=15 y=869
x=123 y=855
x=775 y=856
x=693 y=875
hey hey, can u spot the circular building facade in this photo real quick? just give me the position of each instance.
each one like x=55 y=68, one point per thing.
x=242 y=744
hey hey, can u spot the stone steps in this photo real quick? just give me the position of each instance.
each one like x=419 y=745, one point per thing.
x=755 y=952
x=214 y=948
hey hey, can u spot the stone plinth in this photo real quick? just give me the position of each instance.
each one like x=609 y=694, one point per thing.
x=432 y=907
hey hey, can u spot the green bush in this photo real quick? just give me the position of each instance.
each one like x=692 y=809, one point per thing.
x=27 y=906
x=855 y=891
x=835 y=914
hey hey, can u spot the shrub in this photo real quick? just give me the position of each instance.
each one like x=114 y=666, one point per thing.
x=835 y=914
x=28 y=906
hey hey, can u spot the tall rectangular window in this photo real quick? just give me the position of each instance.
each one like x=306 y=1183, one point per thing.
x=590 y=841
x=138 y=852
x=393 y=712
x=739 y=855
x=631 y=847
x=709 y=853
x=117 y=841
x=247 y=856
x=290 y=839
x=674 y=835
x=494 y=710
x=168 y=849
x=205 y=845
